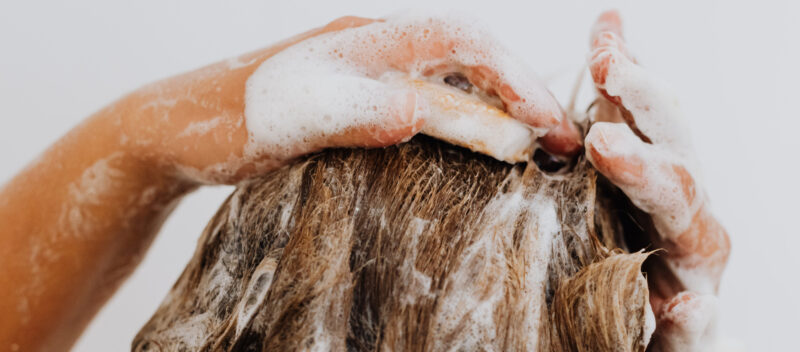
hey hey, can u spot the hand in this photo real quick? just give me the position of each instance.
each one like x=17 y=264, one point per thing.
x=324 y=89
x=641 y=145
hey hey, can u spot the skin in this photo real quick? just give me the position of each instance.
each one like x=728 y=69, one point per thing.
x=683 y=294
x=78 y=220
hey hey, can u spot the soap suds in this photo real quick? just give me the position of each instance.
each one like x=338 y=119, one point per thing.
x=201 y=127
x=657 y=115
x=688 y=320
x=486 y=262
x=656 y=110
x=649 y=324
x=331 y=83
x=548 y=227
x=256 y=292
x=652 y=182
x=367 y=259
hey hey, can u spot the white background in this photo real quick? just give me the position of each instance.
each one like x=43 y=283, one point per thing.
x=733 y=65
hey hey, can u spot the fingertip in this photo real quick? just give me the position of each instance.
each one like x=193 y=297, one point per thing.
x=597 y=146
x=608 y=53
x=564 y=139
x=613 y=152
x=608 y=21
x=606 y=47
x=687 y=311
x=598 y=136
x=683 y=322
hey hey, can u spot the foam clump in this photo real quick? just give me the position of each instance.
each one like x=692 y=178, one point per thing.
x=335 y=82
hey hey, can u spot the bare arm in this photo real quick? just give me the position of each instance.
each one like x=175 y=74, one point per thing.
x=78 y=219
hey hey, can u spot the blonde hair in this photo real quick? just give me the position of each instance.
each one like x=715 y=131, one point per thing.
x=422 y=246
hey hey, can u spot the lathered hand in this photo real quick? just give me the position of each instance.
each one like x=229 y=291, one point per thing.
x=326 y=88
x=639 y=142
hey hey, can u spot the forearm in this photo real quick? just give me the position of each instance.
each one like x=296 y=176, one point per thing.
x=75 y=223
x=77 y=220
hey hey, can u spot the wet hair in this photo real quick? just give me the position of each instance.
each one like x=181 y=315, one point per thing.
x=421 y=246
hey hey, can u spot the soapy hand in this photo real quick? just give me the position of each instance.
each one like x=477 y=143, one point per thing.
x=331 y=87
x=640 y=143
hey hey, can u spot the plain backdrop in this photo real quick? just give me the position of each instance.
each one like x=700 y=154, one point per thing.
x=734 y=66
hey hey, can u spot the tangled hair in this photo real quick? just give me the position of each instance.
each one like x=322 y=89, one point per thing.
x=422 y=246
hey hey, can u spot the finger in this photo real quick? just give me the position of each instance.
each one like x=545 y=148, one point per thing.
x=608 y=21
x=605 y=51
x=685 y=323
x=649 y=175
x=564 y=139
x=523 y=95
x=430 y=46
x=294 y=110
x=616 y=153
x=697 y=245
x=400 y=120
x=699 y=254
x=650 y=109
x=466 y=120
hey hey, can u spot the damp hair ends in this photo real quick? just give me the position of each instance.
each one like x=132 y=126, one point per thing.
x=420 y=246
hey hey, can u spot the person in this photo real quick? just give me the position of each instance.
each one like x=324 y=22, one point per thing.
x=78 y=219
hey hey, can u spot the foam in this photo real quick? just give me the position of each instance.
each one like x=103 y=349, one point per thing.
x=657 y=111
x=692 y=322
x=94 y=184
x=487 y=254
x=649 y=324
x=201 y=127
x=549 y=228
x=468 y=121
x=331 y=83
x=657 y=190
x=256 y=292
x=658 y=116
